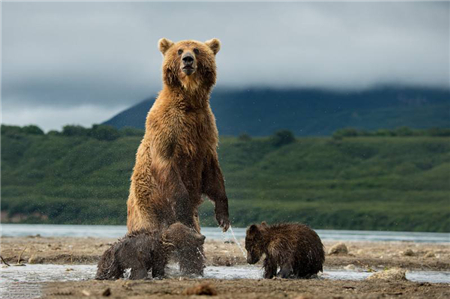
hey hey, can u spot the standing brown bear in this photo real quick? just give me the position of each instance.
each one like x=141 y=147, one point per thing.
x=293 y=247
x=177 y=160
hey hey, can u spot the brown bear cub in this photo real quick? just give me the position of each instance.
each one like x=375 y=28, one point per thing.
x=145 y=251
x=295 y=248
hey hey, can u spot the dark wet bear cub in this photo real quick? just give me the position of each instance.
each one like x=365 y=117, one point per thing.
x=295 y=248
x=145 y=251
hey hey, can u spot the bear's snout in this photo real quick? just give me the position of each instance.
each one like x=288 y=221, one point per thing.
x=251 y=259
x=188 y=60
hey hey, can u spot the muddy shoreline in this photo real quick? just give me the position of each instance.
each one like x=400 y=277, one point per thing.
x=365 y=256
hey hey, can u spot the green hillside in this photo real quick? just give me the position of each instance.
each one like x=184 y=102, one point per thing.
x=368 y=182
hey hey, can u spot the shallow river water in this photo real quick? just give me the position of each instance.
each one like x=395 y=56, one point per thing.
x=26 y=281
x=212 y=233
x=49 y=272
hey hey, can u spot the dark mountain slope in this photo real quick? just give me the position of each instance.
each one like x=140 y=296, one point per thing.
x=260 y=112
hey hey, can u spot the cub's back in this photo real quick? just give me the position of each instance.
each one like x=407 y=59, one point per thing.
x=300 y=236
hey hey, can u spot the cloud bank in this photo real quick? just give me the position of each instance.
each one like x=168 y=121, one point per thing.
x=64 y=56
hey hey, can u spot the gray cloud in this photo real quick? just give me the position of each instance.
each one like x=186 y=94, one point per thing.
x=51 y=117
x=64 y=56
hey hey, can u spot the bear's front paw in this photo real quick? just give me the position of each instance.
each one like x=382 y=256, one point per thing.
x=222 y=219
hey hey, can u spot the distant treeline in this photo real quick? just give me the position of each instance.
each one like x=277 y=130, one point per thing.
x=109 y=133
x=400 y=132
x=100 y=132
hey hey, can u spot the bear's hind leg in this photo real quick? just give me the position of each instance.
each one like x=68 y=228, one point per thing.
x=139 y=273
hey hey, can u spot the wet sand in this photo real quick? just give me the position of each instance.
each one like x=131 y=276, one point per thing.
x=366 y=256
x=243 y=288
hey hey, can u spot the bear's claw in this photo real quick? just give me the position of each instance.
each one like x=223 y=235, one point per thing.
x=224 y=224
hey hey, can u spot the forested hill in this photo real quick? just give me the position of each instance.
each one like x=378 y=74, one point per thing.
x=307 y=112
x=388 y=180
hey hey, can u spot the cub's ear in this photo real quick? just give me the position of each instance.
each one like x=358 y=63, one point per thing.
x=264 y=224
x=214 y=45
x=164 y=44
x=253 y=229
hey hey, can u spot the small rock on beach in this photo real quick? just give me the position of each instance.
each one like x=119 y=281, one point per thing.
x=389 y=275
x=339 y=248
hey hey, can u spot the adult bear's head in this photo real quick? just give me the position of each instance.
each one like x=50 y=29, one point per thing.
x=189 y=64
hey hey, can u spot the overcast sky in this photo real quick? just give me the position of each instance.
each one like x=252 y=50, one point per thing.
x=81 y=63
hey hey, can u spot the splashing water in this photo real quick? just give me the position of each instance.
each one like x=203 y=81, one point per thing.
x=199 y=251
x=225 y=239
x=238 y=244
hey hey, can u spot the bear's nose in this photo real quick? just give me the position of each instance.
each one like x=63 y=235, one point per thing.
x=188 y=58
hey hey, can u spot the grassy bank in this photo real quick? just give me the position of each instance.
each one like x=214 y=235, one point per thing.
x=377 y=183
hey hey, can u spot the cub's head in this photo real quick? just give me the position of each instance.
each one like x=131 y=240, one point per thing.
x=254 y=242
x=180 y=236
x=189 y=64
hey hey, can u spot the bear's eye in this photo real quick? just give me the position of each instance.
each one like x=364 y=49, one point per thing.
x=180 y=52
x=196 y=51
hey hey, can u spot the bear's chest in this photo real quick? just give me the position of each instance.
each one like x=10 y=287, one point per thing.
x=194 y=132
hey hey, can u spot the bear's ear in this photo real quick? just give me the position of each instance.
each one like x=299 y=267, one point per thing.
x=253 y=229
x=264 y=224
x=164 y=44
x=214 y=45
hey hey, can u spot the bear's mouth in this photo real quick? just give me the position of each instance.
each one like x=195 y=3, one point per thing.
x=188 y=70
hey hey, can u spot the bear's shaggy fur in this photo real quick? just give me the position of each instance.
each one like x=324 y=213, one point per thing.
x=293 y=247
x=145 y=251
x=177 y=161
